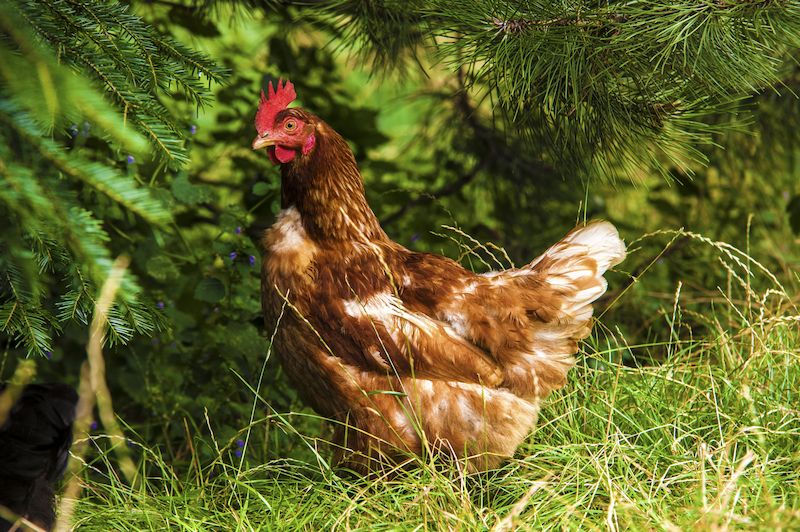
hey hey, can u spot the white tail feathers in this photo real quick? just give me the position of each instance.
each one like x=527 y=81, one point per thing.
x=576 y=264
x=600 y=241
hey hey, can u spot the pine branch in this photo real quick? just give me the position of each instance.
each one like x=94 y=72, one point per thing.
x=518 y=25
x=89 y=61
x=23 y=318
x=106 y=180
x=603 y=87
x=135 y=65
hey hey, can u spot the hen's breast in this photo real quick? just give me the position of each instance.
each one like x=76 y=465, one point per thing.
x=289 y=253
x=303 y=287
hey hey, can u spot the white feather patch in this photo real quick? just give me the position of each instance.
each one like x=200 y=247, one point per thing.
x=290 y=229
x=603 y=243
x=388 y=310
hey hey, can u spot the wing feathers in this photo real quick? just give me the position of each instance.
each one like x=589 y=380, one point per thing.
x=414 y=343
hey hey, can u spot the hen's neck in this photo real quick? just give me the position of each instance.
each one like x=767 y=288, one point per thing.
x=326 y=188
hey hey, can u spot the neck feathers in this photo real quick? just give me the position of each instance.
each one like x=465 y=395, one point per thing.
x=326 y=188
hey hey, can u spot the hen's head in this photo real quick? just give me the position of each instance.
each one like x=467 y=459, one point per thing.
x=284 y=132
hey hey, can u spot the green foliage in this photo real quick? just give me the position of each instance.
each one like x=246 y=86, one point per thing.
x=93 y=64
x=129 y=61
x=521 y=106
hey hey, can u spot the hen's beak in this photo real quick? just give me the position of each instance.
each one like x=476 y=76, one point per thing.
x=262 y=142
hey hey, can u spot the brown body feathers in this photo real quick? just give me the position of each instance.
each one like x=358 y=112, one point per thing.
x=410 y=352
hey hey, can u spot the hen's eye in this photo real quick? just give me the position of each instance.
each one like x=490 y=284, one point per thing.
x=290 y=125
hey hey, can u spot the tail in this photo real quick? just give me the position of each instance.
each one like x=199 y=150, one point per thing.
x=573 y=269
x=557 y=290
x=34 y=448
x=579 y=261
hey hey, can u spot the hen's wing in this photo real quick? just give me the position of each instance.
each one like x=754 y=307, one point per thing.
x=389 y=337
x=402 y=373
x=528 y=319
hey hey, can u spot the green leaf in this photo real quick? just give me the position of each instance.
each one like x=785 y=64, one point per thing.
x=161 y=268
x=210 y=290
x=189 y=193
x=261 y=188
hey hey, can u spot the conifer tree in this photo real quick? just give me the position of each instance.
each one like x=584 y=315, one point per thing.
x=79 y=104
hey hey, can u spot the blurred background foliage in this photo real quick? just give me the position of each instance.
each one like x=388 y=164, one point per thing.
x=127 y=126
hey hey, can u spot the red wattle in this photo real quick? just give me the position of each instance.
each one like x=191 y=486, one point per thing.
x=284 y=155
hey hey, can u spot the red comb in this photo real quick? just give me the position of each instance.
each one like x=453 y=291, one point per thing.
x=276 y=101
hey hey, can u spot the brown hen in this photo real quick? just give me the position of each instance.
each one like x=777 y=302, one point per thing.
x=409 y=352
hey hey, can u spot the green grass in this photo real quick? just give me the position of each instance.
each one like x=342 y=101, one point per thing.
x=708 y=439
x=706 y=436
